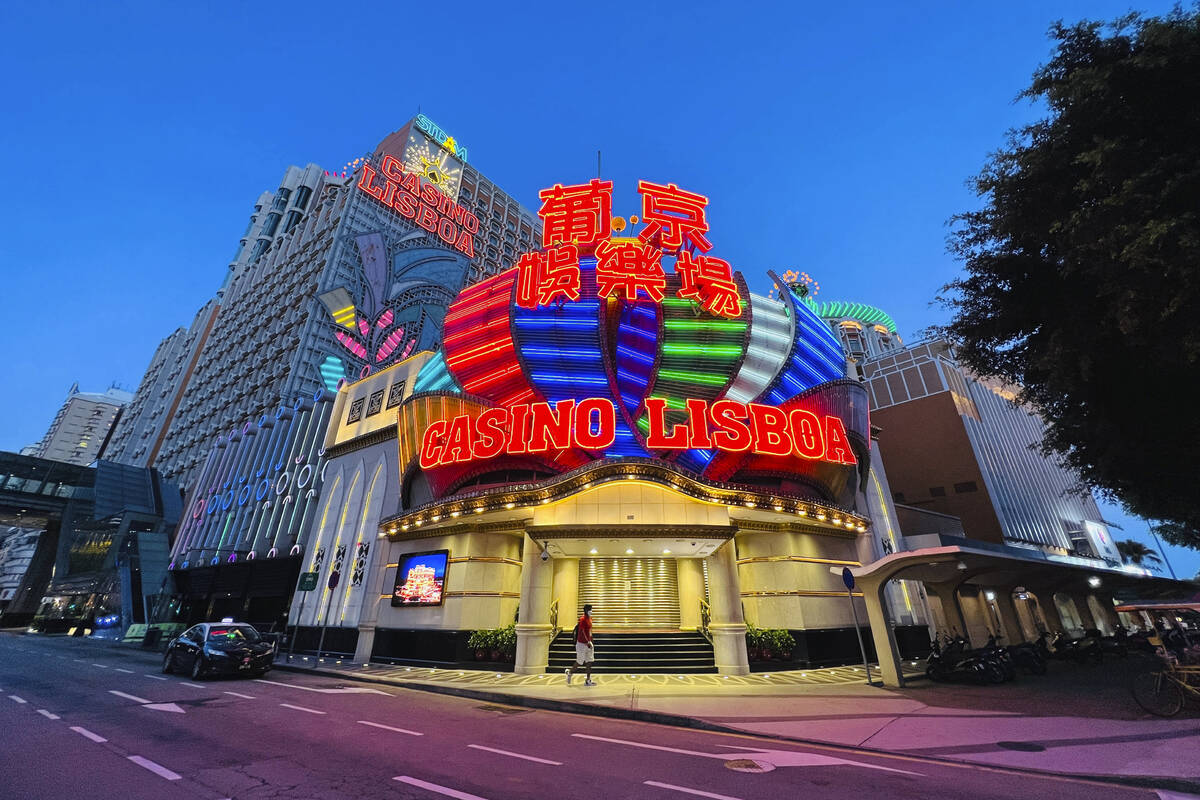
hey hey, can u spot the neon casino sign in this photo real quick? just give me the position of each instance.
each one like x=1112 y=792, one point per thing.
x=444 y=140
x=421 y=202
x=590 y=424
x=617 y=341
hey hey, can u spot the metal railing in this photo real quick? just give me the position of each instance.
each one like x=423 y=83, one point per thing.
x=705 y=618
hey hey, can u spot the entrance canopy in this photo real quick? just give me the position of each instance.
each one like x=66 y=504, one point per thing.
x=960 y=561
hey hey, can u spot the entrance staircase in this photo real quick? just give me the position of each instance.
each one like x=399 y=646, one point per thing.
x=639 y=653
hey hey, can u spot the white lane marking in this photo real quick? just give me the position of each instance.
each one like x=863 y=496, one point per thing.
x=389 y=728
x=47 y=714
x=433 y=787
x=79 y=660
x=722 y=756
x=132 y=697
x=344 y=690
x=243 y=696
x=516 y=755
x=193 y=685
x=101 y=666
x=126 y=671
x=778 y=758
x=686 y=790
x=16 y=699
x=157 y=769
x=156 y=677
x=301 y=708
x=85 y=733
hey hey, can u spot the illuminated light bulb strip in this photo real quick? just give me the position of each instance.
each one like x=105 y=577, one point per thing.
x=596 y=474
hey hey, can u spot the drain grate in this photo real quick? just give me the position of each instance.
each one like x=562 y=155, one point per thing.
x=507 y=710
x=749 y=765
x=1024 y=747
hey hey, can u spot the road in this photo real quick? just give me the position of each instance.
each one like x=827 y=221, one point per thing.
x=79 y=718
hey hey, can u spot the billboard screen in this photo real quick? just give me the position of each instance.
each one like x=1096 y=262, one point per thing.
x=421 y=579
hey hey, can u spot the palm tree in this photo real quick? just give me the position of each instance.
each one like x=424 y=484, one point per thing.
x=1134 y=552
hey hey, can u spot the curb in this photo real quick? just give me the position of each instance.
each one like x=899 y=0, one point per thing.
x=683 y=721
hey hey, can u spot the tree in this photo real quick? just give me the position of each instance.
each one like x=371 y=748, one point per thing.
x=1082 y=267
x=1134 y=552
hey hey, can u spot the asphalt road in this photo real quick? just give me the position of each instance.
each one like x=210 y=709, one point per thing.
x=82 y=719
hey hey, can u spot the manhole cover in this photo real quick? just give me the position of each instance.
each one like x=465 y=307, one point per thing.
x=1025 y=747
x=748 y=765
x=504 y=709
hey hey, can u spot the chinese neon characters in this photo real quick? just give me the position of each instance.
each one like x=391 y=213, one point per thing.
x=577 y=220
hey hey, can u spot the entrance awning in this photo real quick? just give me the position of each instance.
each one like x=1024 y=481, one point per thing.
x=954 y=559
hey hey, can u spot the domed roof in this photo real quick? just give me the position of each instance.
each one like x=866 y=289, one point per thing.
x=841 y=309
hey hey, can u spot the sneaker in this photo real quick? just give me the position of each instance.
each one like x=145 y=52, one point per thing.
x=568 y=676
x=589 y=682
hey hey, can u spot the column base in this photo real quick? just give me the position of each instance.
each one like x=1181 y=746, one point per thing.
x=533 y=648
x=729 y=648
x=366 y=643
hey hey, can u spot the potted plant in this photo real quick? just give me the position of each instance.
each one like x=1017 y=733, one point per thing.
x=782 y=644
x=506 y=642
x=480 y=642
x=754 y=642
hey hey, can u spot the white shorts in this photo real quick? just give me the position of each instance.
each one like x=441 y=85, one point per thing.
x=584 y=653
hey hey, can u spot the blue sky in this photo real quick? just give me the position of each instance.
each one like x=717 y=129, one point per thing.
x=835 y=140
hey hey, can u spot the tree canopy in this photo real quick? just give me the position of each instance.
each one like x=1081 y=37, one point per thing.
x=1082 y=265
x=1134 y=552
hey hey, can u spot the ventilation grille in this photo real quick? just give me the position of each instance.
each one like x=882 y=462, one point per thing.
x=630 y=592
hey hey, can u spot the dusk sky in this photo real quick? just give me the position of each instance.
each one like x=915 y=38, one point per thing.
x=835 y=139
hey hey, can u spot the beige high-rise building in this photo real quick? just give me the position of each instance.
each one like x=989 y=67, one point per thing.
x=82 y=426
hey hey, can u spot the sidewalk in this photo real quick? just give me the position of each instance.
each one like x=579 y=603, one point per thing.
x=1078 y=720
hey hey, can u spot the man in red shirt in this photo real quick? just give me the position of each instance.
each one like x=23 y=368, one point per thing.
x=585 y=650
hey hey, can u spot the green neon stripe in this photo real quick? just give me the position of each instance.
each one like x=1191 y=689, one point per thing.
x=839 y=309
x=671 y=402
x=694 y=377
x=704 y=325
x=714 y=350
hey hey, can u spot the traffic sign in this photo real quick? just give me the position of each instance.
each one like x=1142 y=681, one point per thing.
x=308 y=581
x=847 y=578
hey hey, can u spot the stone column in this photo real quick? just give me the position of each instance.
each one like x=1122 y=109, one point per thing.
x=727 y=627
x=566 y=591
x=1080 y=600
x=947 y=595
x=1105 y=602
x=1013 y=632
x=1049 y=609
x=533 y=623
x=690 y=574
x=883 y=634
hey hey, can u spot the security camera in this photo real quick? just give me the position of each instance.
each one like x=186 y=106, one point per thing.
x=545 y=553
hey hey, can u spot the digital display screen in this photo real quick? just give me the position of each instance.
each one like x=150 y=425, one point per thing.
x=421 y=579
